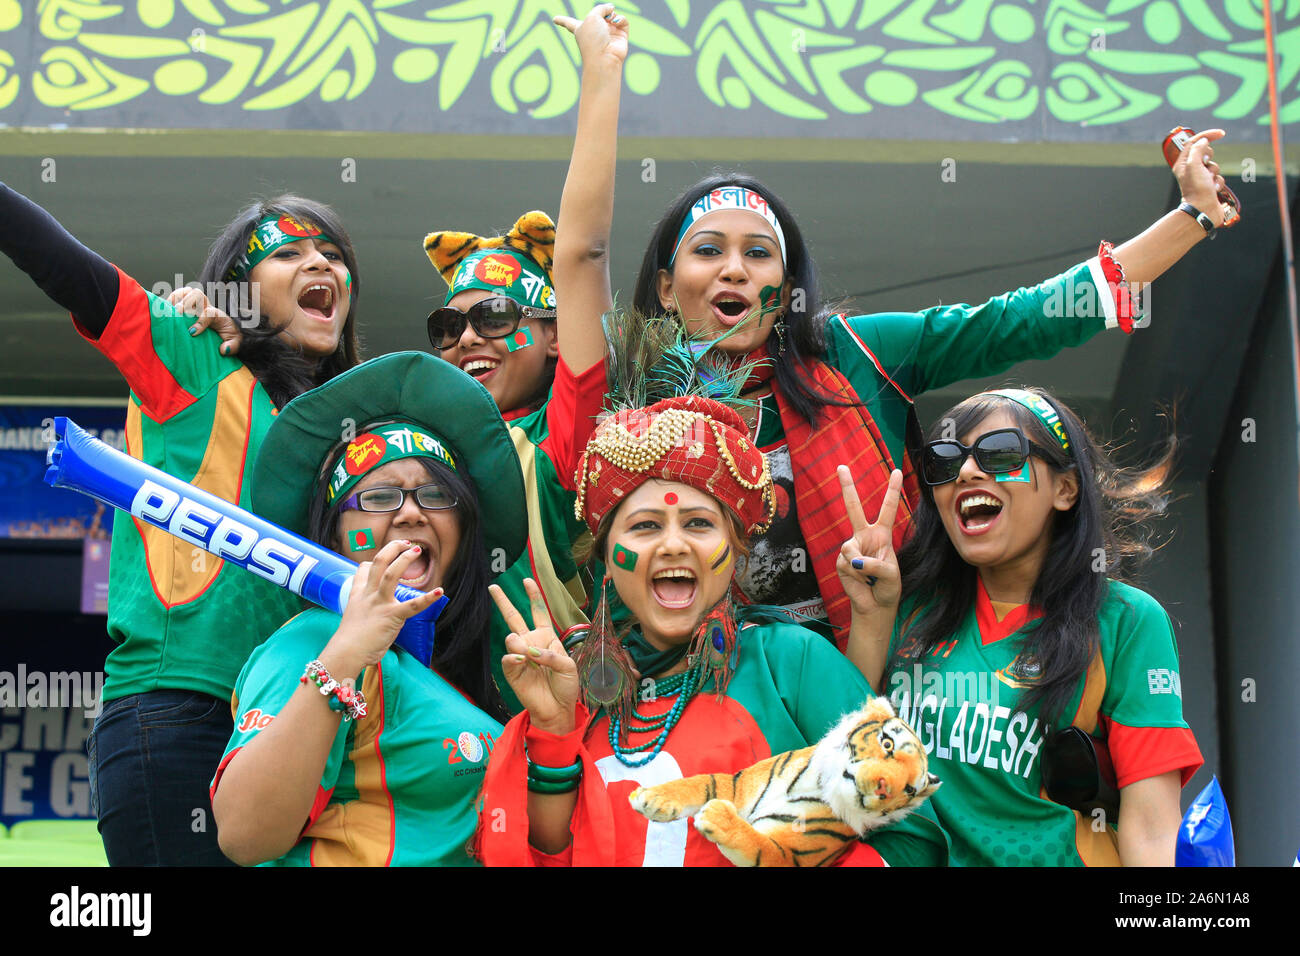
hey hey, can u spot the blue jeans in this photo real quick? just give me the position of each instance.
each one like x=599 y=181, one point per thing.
x=152 y=757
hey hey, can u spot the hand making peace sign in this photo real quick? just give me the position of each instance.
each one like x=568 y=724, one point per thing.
x=539 y=669
x=867 y=565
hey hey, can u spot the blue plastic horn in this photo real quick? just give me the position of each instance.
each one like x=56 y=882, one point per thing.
x=81 y=463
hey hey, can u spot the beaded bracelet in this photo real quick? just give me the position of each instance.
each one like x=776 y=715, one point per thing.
x=342 y=697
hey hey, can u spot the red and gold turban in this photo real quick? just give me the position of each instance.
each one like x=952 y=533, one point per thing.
x=694 y=440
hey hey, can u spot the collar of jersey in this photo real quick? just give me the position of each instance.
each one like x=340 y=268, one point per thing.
x=992 y=629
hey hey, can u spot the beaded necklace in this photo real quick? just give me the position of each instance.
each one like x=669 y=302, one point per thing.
x=683 y=686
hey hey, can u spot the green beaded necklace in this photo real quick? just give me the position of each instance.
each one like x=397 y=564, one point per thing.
x=684 y=686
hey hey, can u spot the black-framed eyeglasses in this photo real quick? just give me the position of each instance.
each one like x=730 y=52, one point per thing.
x=430 y=497
x=492 y=318
x=998 y=452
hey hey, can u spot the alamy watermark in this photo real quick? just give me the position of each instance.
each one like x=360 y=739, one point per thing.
x=72 y=689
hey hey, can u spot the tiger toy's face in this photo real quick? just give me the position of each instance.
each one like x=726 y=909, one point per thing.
x=872 y=768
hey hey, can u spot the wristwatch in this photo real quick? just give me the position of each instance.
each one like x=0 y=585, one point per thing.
x=1204 y=221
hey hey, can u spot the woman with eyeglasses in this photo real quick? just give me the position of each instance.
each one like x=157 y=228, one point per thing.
x=728 y=257
x=348 y=748
x=184 y=625
x=1013 y=634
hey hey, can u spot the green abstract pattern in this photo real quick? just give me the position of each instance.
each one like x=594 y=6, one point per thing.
x=1093 y=62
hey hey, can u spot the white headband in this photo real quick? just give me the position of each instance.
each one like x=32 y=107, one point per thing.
x=729 y=197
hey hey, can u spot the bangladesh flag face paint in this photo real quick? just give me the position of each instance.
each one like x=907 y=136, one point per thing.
x=624 y=558
x=1020 y=474
x=519 y=339
x=362 y=540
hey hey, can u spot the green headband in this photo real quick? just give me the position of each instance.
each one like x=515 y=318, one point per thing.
x=270 y=234
x=1040 y=407
x=506 y=273
x=378 y=446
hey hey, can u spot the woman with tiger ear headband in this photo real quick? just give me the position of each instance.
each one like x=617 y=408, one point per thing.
x=1063 y=668
x=671 y=493
x=498 y=324
x=729 y=258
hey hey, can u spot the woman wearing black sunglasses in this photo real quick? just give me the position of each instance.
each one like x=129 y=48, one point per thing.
x=728 y=257
x=1013 y=621
x=499 y=325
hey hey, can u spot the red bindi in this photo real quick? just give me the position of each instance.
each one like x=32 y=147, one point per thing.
x=670 y=498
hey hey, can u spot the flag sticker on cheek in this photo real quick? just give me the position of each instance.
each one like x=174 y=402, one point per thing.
x=624 y=558
x=362 y=540
x=1020 y=474
x=519 y=339
x=720 y=558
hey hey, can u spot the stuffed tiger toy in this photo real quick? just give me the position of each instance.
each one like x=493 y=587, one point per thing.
x=805 y=807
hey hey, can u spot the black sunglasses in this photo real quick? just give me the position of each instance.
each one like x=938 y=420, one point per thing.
x=997 y=453
x=1075 y=776
x=492 y=318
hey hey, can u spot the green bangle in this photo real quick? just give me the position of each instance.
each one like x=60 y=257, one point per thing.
x=554 y=774
x=547 y=786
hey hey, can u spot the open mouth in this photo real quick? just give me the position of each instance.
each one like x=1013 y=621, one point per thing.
x=977 y=511
x=480 y=367
x=674 y=587
x=317 y=300
x=417 y=572
x=730 y=307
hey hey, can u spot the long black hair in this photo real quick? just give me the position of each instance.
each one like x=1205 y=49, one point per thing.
x=461 y=644
x=1108 y=523
x=284 y=370
x=805 y=320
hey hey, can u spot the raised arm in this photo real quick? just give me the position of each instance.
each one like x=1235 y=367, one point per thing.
x=587 y=207
x=76 y=278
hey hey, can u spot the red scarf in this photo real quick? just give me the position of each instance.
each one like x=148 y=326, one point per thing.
x=502 y=838
x=844 y=435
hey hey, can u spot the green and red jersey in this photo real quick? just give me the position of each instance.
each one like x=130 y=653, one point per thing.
x=550 y=442
x=183 y=620
x=890 y=357
x=400 y=785
x=789 y=688
x=963 y=700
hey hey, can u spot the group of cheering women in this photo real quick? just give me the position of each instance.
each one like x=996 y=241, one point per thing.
x=471 y=474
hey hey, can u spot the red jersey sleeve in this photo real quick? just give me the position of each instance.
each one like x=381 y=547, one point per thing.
x=1142 y=752
x=127 y=341
x=571 y=416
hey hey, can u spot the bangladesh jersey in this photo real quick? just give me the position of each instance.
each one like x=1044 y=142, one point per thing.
x=789 y=688
x=963 y=700
x=400 y=784
x=550 y=441
x=892 y=356
x=182 y=619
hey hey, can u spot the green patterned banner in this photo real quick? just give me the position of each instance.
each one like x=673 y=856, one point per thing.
x=1119 y=70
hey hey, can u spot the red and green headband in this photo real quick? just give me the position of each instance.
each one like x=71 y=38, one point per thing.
x=503 y=272
x=270 y=234
x=1041 y=408
x=378 y=446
